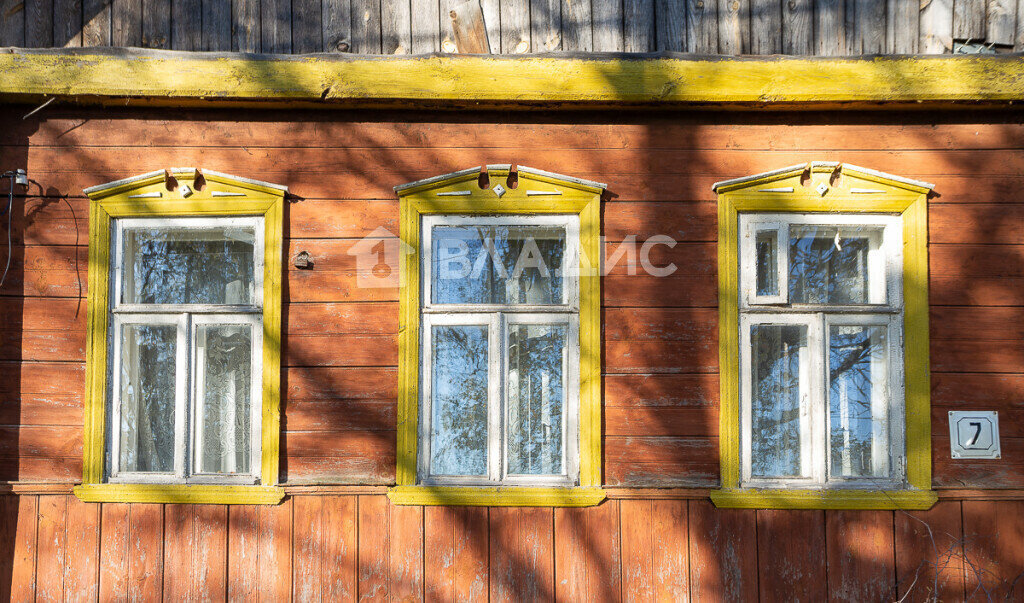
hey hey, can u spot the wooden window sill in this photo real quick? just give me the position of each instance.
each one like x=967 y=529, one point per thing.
x=180 y=493
x=824 y=499
x=502 y=496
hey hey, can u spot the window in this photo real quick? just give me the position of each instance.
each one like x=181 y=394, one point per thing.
x=186 y=341
x=183 y=340
x=823 y=318
x=499 y=365
x=500 y=359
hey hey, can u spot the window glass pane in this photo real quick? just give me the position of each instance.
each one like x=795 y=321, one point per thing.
x=458 y=444
x=536 y=397
x=484 y=264
x=779 y=357
x=224 y=353
x=188 y=265
x=858 y=401
x=829 y=265
x=767 y=245
x=147 y=397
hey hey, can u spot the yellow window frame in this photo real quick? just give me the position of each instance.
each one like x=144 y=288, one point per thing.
x=148 y=195
x=848 y=189
x=460 y=193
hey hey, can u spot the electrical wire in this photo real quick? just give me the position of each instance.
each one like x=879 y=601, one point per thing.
x=10 y=205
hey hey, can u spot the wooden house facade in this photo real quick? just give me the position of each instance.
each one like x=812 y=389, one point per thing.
x=658 y=161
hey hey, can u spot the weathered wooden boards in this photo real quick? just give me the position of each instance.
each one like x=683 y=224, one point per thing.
x=341 y=548
x=819 y=27
x=660 y=344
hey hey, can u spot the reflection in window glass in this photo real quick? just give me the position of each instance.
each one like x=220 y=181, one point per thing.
x=536 y=397
x=225 y=355
x=188 y=265
x=458 y=444
x=829 y=265
x=766 y=248
x=857 y=401
x=497 y=264
x=779 y=382
x=147 y=398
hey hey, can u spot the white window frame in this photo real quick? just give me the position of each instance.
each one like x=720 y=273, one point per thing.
x=885 y=309
x=497 y=318
x=186 y=318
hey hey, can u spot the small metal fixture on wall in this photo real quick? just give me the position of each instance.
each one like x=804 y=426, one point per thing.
x=303 y=261
x=18 y=177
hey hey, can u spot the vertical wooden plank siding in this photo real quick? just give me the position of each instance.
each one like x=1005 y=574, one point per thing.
x=638 y=25
x=797 y=27
x=655 y=558
x=38 y=23
x=670 y=25
x=860 y=559
x=126 y=22
x=545 y=25
x=337 y=24
x=365 y=27
x=587 y=553
x=307 y=26
x=81 y=574
x=67 y=23
x=1001 y=19
x=702 y=26
x=969 y=19
x=373 y=547
x=936 y=27
x=12 y=25
x=156 y=24
x=829 y=26
x=608 y=25
x=723 y=559
x=515 y=26
x=245 y=25
x=186 y=24
x=276 y=26
x=869 y=32
x=243 y=559
x=733 y=26
x=577 y=26
x=929 y=553
x=396 y=27
x=993 y=550
x=52 y=550
x=216 y=26
x=274 y=542
x=789 y=553
x=521 y=554
x=426 y=26
x=147 y=536
x=765 y=27
x=903 y=27
x=114 y=551
x=96 y=23
x=405 y=553
x=455 y=553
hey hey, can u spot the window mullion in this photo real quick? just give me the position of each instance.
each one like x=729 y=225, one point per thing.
x=182 y=396
x=498 y=367
x=819 y=449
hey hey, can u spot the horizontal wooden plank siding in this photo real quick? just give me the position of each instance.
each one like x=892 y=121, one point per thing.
x=660 y=344
x=295 y=26
x=348 y=547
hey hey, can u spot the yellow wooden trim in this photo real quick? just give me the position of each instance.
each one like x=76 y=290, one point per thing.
x=824 y=499
x=917 y=386
x=496 y=497
x=265 y=202
x=575 y=198
x=175 y=493
x=178 y=78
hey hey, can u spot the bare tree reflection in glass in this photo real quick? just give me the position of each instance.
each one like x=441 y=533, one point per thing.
x=827 y=267
x=458 y=444
x=779 y=358
x=857 y=401
x=536 y=394
x=147 y=398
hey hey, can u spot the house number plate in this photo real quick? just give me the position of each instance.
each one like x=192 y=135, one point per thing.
x=974 y=434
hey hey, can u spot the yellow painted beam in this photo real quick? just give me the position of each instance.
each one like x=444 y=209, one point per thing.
x=180 y=78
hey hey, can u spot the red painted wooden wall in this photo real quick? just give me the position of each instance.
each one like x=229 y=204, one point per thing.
x=660 y=365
